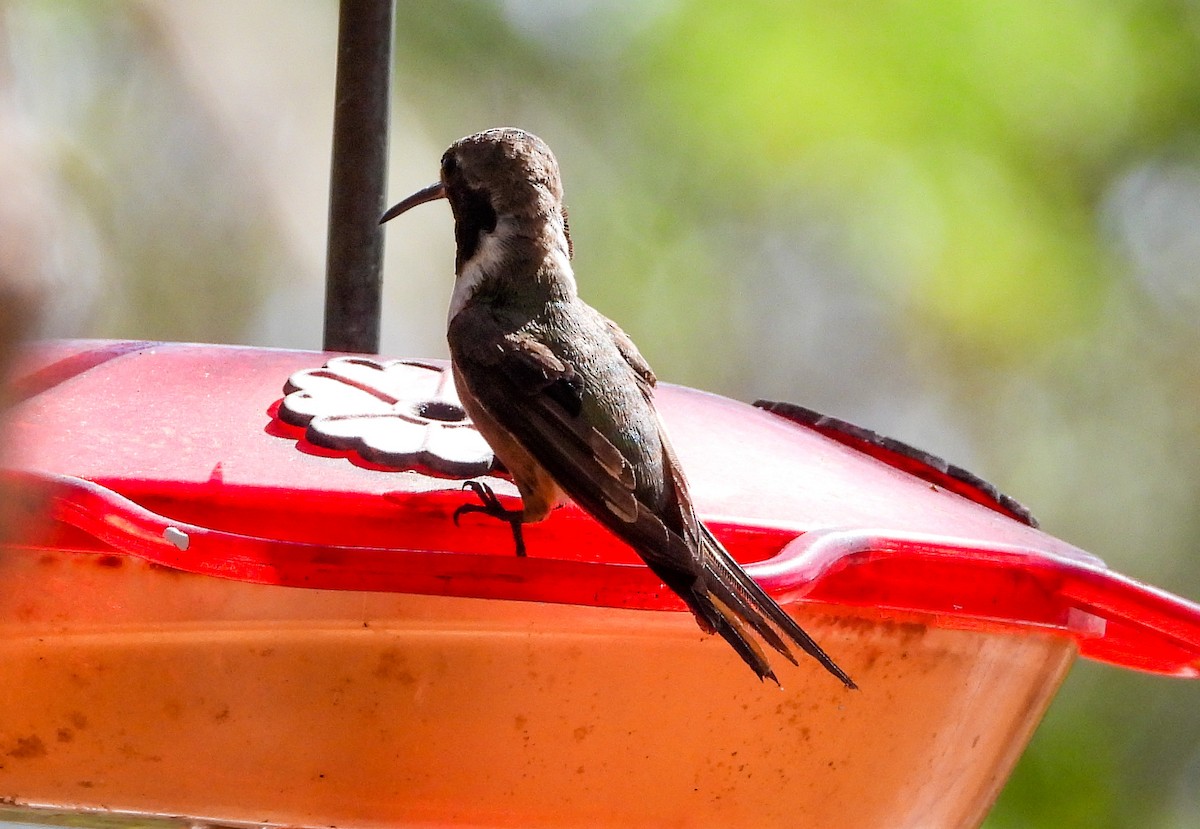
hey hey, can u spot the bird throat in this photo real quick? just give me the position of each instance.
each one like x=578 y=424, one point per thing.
x=511 y=268
x=474 y=217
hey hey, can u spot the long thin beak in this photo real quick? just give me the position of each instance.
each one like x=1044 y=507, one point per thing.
x=431 y=193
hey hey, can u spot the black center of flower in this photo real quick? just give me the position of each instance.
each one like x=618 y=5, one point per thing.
x=441 y=410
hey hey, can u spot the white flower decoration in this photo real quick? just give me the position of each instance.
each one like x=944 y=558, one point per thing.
x=399 y=413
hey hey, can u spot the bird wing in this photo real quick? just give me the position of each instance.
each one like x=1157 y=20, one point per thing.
x=630 y=354
x=539 y=395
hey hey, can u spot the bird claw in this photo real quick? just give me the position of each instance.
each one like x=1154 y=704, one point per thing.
x=490 y=505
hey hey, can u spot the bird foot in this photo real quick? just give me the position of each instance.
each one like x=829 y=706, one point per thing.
x=490 y=505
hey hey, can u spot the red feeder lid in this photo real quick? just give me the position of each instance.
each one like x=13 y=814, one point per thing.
x=191 y=456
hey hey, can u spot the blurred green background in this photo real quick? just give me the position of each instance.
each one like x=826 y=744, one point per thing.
x=973 y=226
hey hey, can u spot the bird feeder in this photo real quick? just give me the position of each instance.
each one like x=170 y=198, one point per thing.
x=234 y=593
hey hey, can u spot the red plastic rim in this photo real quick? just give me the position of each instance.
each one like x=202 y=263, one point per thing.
x=960 y=583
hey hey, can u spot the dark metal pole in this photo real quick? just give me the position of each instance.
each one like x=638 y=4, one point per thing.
x=358 y=176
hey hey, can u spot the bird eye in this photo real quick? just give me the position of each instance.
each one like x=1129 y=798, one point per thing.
x=449 y=165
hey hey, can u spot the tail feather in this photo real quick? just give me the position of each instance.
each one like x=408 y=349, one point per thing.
x=734 y=599
x=737 y=595
x=729 y=625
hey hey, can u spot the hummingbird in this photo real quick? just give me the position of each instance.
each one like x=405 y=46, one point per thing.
x=566 y=400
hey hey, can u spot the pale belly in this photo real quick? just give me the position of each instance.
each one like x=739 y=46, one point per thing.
x=539 y=492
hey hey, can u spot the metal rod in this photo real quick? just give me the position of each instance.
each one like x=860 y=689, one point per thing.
x=358 y=177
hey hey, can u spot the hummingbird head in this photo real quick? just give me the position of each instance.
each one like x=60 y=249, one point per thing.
x=502 y=176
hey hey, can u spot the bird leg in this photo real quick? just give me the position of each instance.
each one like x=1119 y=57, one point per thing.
x=490 y=505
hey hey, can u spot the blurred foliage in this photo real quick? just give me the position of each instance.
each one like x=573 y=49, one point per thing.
x=970 y=225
